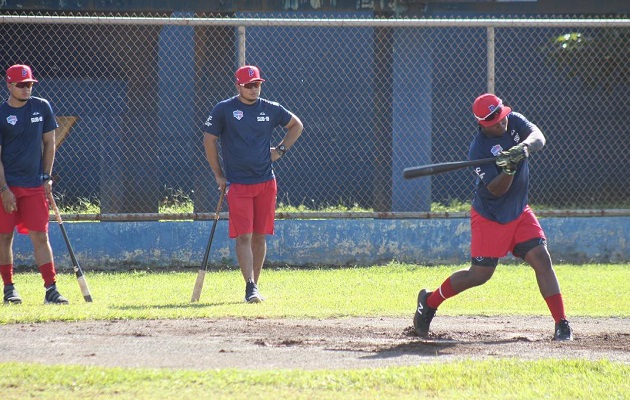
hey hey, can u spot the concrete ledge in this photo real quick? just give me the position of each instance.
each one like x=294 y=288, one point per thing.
x=338 y=242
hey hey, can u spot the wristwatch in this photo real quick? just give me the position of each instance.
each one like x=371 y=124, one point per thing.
x=46 y=177
x=281 y=149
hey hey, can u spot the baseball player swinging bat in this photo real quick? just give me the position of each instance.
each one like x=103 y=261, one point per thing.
x=434 y=169
x=204 y=264
x=75 y=264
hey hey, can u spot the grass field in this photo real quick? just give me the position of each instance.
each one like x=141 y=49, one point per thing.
x=388 y=290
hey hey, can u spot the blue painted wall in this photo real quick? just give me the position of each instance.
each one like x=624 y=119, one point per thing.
x=129 y=245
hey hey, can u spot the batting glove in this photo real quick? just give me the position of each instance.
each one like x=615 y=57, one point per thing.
x=517 y=153
x=509 y=169
x=503 y=162
x=503 y=159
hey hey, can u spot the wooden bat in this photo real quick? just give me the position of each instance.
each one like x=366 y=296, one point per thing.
x=204 y=264
x=75 y=264
x=433 y=169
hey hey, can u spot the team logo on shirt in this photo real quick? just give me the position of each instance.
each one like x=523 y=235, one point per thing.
x=12 y=119
x=37 y=117
x=238 y=114
x=496 y=149
x=262 y=117
x=208 y=121
x=516 y=136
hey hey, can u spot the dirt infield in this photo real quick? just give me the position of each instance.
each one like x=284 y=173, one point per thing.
x=307 y=344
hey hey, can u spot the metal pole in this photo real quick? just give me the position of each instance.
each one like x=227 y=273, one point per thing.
x=241 y=45
x=490 y=60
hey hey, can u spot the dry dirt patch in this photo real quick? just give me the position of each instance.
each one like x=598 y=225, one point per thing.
x=307 y=344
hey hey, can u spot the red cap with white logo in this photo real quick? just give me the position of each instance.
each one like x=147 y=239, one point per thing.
x=248 y=74
x=20 y=73
x=489 y=109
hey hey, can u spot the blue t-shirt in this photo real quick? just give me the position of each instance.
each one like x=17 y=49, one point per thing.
x=21 y=131
x=245 y=133
x=510 y=205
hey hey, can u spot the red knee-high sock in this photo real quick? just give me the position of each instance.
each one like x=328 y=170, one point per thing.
x=7 y=274
x=440 y=294
x=48 y=273
x=556 y=306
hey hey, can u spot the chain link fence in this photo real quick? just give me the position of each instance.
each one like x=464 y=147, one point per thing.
x=375 y=95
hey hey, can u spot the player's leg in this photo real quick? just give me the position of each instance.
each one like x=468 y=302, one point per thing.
x=244 y=256
x=490 y=241
x=6 y=251
x=264 y=220
x=34 y=220
x=240 y=200
x=535 y=253
x=11 y=295
x=531 y=246
x=8 y=221
x=259 y=252
x=241 y=216
x=46 y=266
x=7 y=226
x=43 y=256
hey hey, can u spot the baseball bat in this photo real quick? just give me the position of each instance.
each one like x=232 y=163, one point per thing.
x=75 y=264
x=204 y=264
x=433 y=169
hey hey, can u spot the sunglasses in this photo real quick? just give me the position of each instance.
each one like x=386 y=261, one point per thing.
x=253 y=85
x=22 y=85
x=493 y=114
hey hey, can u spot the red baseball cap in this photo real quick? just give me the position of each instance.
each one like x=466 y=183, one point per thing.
x=20 y=73
x=248 y=74
x=485 y=109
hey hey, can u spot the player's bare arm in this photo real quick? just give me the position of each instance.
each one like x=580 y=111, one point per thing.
x=48 y=157
x=212 y=155
x=8 y=199
x=500 y=184
x=294 y=130
x=535 y=141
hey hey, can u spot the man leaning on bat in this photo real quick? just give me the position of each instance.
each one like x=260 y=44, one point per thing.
x=244 y=125
x=27 y=154
x=501 y=219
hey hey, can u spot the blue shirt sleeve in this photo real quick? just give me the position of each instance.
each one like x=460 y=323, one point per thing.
x=50 y=122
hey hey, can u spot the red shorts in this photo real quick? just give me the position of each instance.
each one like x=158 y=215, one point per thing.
x=32 y=213
x=252 y=208
x=491 y=239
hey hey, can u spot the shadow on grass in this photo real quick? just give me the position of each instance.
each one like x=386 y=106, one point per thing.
x=178 y=306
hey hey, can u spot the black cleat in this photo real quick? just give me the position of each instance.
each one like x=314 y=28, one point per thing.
x=251 y=293
x=53 y=296
x=424 y=314
x=563 y=331
x=11 y=295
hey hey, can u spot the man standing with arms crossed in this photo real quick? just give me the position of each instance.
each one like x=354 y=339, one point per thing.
x=244 y=124
x=501 y=219
x=27 y=153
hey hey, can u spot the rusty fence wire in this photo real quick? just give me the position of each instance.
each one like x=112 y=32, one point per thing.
x=376 y=96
